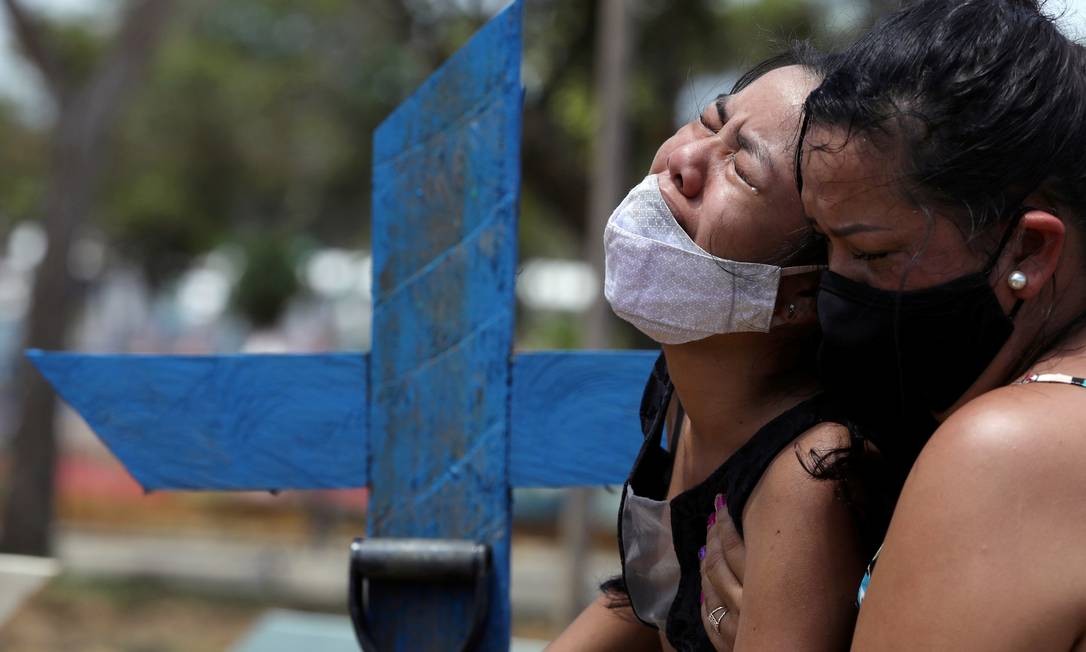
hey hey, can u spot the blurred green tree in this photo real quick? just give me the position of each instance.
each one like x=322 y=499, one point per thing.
x=255 y=117
x=268 y=282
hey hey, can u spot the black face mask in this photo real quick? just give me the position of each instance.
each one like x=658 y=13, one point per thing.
x=897 y=357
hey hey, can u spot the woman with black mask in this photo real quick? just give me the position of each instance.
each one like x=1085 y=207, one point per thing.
x=944 y=160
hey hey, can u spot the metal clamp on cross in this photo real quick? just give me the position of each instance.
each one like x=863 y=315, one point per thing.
x=441 y=419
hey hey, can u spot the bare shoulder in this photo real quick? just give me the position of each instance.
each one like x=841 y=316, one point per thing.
x=789 y=486
x=1031 y=438
x=993 y=510
x=1018 y=451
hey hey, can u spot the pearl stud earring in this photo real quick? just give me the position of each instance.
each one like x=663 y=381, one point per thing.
x=1017 y=280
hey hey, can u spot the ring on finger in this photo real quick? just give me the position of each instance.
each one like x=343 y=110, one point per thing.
x=715 y=619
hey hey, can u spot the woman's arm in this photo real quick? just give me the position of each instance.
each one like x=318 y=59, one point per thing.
x=803 y=559
x=986 y=547
x=600 y=628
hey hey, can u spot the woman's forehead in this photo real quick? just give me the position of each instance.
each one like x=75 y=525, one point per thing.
x=771 y=105
x=838 y=164
x=781 y=90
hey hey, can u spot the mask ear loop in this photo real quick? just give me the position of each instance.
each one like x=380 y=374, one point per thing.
x=1003 y=242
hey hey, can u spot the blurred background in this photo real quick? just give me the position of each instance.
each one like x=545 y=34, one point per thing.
x=193 y=178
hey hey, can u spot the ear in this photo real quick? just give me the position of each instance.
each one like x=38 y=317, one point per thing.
x=797 y=303
x=1036 y=253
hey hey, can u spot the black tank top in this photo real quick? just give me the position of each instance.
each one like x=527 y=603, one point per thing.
x=736 y=478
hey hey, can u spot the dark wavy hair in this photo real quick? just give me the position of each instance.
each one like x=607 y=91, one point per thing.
x=981 y=102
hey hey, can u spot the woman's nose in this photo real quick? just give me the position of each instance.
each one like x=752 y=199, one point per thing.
x=687 y=166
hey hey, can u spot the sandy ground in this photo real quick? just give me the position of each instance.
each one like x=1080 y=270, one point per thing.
x=193 y=572
x=154 y=593
x=127 y=616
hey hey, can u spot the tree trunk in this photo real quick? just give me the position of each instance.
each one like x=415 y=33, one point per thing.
x=79 y=154
x=608 y=175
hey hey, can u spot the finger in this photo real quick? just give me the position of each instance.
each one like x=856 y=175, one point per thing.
x=734 y=550
x=722 y=635
x=716 y=575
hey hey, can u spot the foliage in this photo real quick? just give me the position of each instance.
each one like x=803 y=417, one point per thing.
x=23 y=161
x=257 y=114
x=268 y=282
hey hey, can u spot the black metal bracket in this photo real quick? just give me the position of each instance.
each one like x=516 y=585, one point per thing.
x=421 y=561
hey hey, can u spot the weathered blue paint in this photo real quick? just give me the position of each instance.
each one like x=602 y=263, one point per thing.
x=575 y=416
x=440 y=415
x=264 y=422
x=446 y=178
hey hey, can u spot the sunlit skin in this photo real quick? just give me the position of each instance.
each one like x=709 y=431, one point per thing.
x=727 y=178
x=985 y=550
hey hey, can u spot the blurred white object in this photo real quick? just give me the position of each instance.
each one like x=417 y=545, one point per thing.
x=20 y=577
x=27 y=245
x=202 y=295
x=339 y=272
x=282 y=630
x=555 y=284
x=265 y=341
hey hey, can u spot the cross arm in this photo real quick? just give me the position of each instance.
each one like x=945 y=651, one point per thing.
x=575 y=416
x=273 y=422
x=236 y=422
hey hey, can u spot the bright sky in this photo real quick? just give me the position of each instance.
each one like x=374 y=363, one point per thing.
x=18 y=80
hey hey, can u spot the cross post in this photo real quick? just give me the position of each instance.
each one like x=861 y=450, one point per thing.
x=441 y=419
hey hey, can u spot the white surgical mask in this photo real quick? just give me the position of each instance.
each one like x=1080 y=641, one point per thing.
x=671 y=289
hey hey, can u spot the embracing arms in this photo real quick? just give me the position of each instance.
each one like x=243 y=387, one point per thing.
x=986 y=548
x=803 y=560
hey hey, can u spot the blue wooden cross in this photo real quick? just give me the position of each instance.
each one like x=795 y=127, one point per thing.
x=441 y=419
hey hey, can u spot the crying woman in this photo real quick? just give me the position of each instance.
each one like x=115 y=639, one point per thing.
x=712 y=256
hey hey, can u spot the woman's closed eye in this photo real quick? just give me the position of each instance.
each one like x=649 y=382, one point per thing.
x=739 y=172
x=713 y=120
x=856 y=254
x=713 y=129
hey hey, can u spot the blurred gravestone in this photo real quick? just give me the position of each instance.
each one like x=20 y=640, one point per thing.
x=20 y=578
